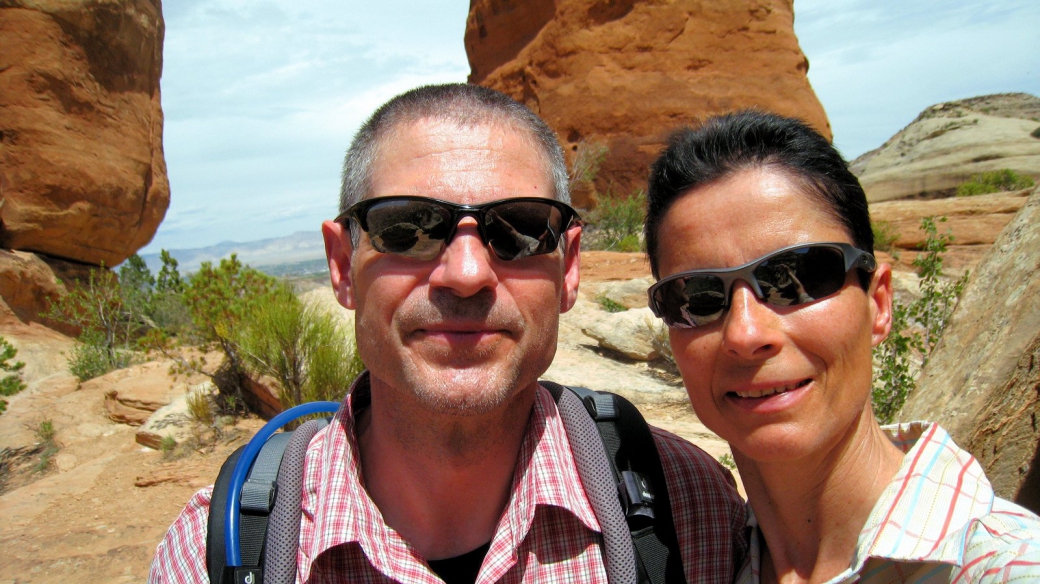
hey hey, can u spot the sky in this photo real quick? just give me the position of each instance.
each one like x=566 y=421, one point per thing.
x=262 y=97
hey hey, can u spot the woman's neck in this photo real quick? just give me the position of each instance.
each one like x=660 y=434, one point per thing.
x=811 y=511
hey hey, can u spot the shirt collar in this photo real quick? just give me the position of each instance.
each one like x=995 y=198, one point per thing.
x=938 y=489
x=920 y=515
x=344 y=513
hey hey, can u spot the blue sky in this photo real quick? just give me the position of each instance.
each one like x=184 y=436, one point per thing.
x=262 y=97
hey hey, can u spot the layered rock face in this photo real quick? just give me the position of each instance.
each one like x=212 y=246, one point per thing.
x=950 y=142
x=982 y=382
x=82 y=173
x=626 y=73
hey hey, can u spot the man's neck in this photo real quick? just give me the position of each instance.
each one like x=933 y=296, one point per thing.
x=442 y=481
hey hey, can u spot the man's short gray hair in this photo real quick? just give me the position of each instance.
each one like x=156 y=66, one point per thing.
x=460 y=103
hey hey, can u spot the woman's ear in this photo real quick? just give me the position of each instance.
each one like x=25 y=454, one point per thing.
x=339 y=251
x=880 y=295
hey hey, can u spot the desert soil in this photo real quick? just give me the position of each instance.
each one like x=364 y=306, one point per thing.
x=103 y=504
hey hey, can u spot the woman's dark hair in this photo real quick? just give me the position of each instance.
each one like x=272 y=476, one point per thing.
x=725 y=145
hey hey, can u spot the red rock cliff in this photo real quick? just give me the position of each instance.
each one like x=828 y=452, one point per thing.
x=627 y=72
x=82 y=173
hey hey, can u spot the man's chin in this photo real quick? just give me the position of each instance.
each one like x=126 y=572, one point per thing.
x=470 y=391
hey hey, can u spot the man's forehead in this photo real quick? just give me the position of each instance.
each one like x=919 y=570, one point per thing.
x=439 y=157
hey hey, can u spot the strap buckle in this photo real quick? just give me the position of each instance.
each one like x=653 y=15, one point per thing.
x=637 y=495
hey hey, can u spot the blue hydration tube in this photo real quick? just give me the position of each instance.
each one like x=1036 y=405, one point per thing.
x=245 y=462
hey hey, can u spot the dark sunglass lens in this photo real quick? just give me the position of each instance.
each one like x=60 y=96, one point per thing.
x=822 y=271
x=517 y=230
x=705 y=299
x=694 y=301
x=801 y=275
x=415 y=229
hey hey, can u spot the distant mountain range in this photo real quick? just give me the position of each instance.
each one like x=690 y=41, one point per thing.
x=300 y=253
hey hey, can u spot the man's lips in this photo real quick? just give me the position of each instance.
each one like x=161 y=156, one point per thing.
x=768 y=390
x=460 y=332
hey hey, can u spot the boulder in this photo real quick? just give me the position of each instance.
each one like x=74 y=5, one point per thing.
x=630 y=333
x=170 y=421
x=950 y=142
x=30 y=283
x=82 y=173
x=136 y=392
x=627 y=293
x=982 y=382
x=626 y=73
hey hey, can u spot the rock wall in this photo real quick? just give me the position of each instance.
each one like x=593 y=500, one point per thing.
x=625 y=73
x=82 y=173
x=982 y=383
x=950 y=142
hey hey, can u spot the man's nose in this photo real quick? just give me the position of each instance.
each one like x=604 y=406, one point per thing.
x=465 y=264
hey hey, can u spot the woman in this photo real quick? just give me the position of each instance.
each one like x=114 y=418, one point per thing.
x=760 y=239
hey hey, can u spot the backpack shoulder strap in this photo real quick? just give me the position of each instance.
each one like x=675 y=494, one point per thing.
x=270 y=513
x=283 y=532
x=629 y=496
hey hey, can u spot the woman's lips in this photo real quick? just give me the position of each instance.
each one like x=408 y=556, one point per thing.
x=768 y=391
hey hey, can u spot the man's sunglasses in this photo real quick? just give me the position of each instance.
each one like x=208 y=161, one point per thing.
x=420 y=227
x=787 y=277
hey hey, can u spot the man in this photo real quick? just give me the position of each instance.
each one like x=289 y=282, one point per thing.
x=457 y=253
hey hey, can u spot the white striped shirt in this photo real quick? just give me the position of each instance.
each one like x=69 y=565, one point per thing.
x=938 y=521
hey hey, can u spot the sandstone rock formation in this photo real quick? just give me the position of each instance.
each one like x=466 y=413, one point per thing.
x=82 y=173
x=950 y=142
x=625 y=73
x=974 y=222
x=982 y=383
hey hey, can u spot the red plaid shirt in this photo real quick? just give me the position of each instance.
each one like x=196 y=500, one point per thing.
x=548 y=531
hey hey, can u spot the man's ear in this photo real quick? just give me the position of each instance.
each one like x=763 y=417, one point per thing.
x=880 y=298
x=339 y=251
x=571 y=268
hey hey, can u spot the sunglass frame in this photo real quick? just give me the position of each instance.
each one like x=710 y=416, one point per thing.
x=853 y=257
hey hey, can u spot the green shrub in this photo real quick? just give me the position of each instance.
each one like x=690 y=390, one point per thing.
x=587 y=159
x=45 y=433
x=609 y=305
x=93 y=358
x=11 y=383
x=200 y=408
x=885 y=235
x=300 y=345
x=110 y=316
x=995 y=181
x=616 y=223
x=916 y=328
x=1035 y=133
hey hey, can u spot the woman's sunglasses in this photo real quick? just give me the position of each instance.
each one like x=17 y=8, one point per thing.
x=420 y=227
x=787 y=277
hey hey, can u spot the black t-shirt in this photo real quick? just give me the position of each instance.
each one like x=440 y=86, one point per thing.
x=461 y=569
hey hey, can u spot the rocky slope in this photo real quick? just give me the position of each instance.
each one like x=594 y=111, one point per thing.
x=950 y=142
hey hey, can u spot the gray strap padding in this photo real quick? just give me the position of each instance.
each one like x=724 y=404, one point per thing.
x=597 y=478
x=283 y=529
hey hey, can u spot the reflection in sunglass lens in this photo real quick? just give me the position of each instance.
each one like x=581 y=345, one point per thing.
x=414 y=228
x=801 y=275
x=786 y=278
x=419 y=228
x=518 y=230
